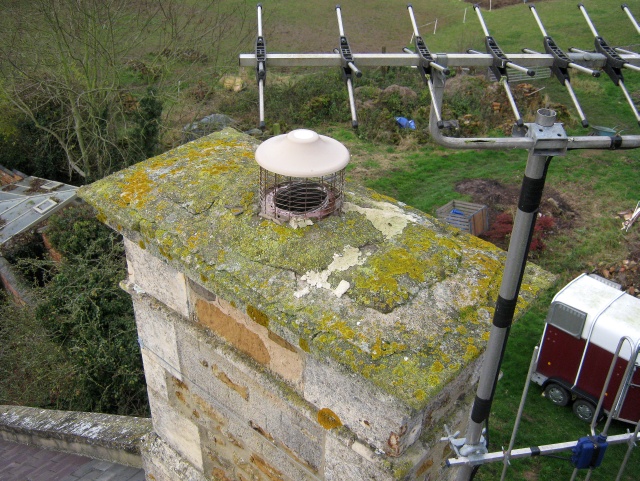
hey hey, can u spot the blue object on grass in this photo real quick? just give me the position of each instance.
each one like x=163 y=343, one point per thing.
x=405 y=123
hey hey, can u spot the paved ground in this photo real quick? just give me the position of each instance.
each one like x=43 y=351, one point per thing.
x=19 y=462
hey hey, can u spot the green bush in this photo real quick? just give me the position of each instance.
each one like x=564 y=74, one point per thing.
x=34 y=369
x=91 y=317
x=82 y=320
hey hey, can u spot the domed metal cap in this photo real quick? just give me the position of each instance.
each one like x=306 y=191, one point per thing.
x=302 y=153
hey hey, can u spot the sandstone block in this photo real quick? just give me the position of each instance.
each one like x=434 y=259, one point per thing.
x=267 y=405
x=179 y=433
x=154 y=373
x=156 y=277
x=163 y=463
x=157 y=331
x=375 y=417
x=247 y=332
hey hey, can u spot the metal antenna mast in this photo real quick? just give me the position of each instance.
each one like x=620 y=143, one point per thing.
x=261 y=66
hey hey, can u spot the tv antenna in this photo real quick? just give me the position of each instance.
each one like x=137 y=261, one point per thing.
x=543 y=139
x=614 y=64
x=561 y=65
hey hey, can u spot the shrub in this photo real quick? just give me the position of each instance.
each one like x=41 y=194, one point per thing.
x=500 y=231
x=89 y=318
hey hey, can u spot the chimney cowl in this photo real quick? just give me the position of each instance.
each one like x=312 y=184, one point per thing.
x=302 y=153
x=301 y=176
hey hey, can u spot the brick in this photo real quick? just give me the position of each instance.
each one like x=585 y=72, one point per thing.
x=157 y=278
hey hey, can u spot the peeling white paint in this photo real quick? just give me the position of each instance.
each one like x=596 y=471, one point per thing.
x=387 y=218
x=351 y=256
x=342 y=288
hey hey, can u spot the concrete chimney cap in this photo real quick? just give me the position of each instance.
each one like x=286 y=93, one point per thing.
x=302 y=153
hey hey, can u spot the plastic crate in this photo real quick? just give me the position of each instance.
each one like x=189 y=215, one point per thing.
x=472 y=218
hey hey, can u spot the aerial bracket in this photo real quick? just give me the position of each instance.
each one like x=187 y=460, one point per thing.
x=348 y=67
x=261 y=66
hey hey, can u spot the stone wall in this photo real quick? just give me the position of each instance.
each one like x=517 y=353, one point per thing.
x=256 y=410
x=258 y=367
x=99 y=436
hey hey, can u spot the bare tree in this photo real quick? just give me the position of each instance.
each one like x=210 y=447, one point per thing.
x=77 y=68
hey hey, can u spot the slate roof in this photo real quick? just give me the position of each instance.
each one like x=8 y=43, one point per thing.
x=26 y=202
x=20 y=462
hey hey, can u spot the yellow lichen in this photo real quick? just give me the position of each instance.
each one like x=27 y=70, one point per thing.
x=382 y=348
x=328 y=419
x=258 y=316
x=135 y=187
x=471 y=352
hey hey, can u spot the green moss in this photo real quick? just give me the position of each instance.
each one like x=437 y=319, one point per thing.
x=400 y=470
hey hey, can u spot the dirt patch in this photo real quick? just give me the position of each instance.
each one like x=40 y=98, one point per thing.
x=626 y=272
x=35 y=186
x=501 y=198
x=557 y=214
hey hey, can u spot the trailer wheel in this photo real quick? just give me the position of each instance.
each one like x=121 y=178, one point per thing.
x=557 y=394
x=584 y=410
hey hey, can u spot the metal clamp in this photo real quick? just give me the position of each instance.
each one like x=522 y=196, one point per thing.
x=348 y=67
x=550 y=138
x=261 y=66
x=473 y=454
x=500 y=64
x=427 y=62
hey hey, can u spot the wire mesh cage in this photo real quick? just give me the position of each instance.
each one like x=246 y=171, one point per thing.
x=283 y=197
x=301 y=176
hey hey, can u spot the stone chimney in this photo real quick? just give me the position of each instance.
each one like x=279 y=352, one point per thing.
x=332 y=351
